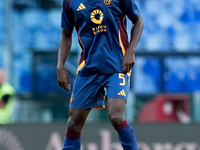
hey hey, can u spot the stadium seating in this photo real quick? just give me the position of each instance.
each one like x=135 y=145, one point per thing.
x=2 y=30
x=173 y=25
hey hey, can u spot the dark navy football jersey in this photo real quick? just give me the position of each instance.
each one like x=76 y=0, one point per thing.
x=102 y=34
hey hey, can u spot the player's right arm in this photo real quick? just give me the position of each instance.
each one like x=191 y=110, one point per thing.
x=67 y=24
x=64 y=49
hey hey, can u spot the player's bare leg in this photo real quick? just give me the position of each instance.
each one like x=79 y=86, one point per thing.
x=116 y=109
x=77 y=118
x=76 y=121
x=116 y=113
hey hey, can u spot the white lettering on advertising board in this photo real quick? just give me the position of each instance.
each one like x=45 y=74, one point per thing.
x=106 y=144
x=8 y=141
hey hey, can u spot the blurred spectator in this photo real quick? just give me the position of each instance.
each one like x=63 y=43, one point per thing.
x=7 y=93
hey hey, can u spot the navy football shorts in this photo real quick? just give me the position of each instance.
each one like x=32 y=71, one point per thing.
x=89 y=91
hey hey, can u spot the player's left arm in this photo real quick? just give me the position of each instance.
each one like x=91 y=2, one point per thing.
x=136 y=31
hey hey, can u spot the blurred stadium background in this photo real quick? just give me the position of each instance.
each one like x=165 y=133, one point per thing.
x=165 y=83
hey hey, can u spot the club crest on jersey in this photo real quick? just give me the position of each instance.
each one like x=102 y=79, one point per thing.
x=108 y=2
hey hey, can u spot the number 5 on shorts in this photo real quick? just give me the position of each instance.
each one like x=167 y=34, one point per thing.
x=121 y=76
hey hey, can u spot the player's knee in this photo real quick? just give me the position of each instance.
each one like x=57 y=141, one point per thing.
x=72 y=126
x=116 y=120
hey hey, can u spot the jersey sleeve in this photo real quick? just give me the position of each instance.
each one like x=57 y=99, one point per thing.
x=67 y=19
x=130 y=8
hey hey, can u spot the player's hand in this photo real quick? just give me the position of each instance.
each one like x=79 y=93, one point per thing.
x=63 y=79
x=128 y=62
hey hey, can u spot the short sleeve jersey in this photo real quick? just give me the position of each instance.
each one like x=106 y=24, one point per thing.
x=102 y=33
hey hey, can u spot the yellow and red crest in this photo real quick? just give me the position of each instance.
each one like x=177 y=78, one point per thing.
x=108 y=2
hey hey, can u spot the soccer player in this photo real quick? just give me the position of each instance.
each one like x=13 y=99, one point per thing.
x=106 y=61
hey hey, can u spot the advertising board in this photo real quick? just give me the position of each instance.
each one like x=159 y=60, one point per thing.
x=99 y=136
